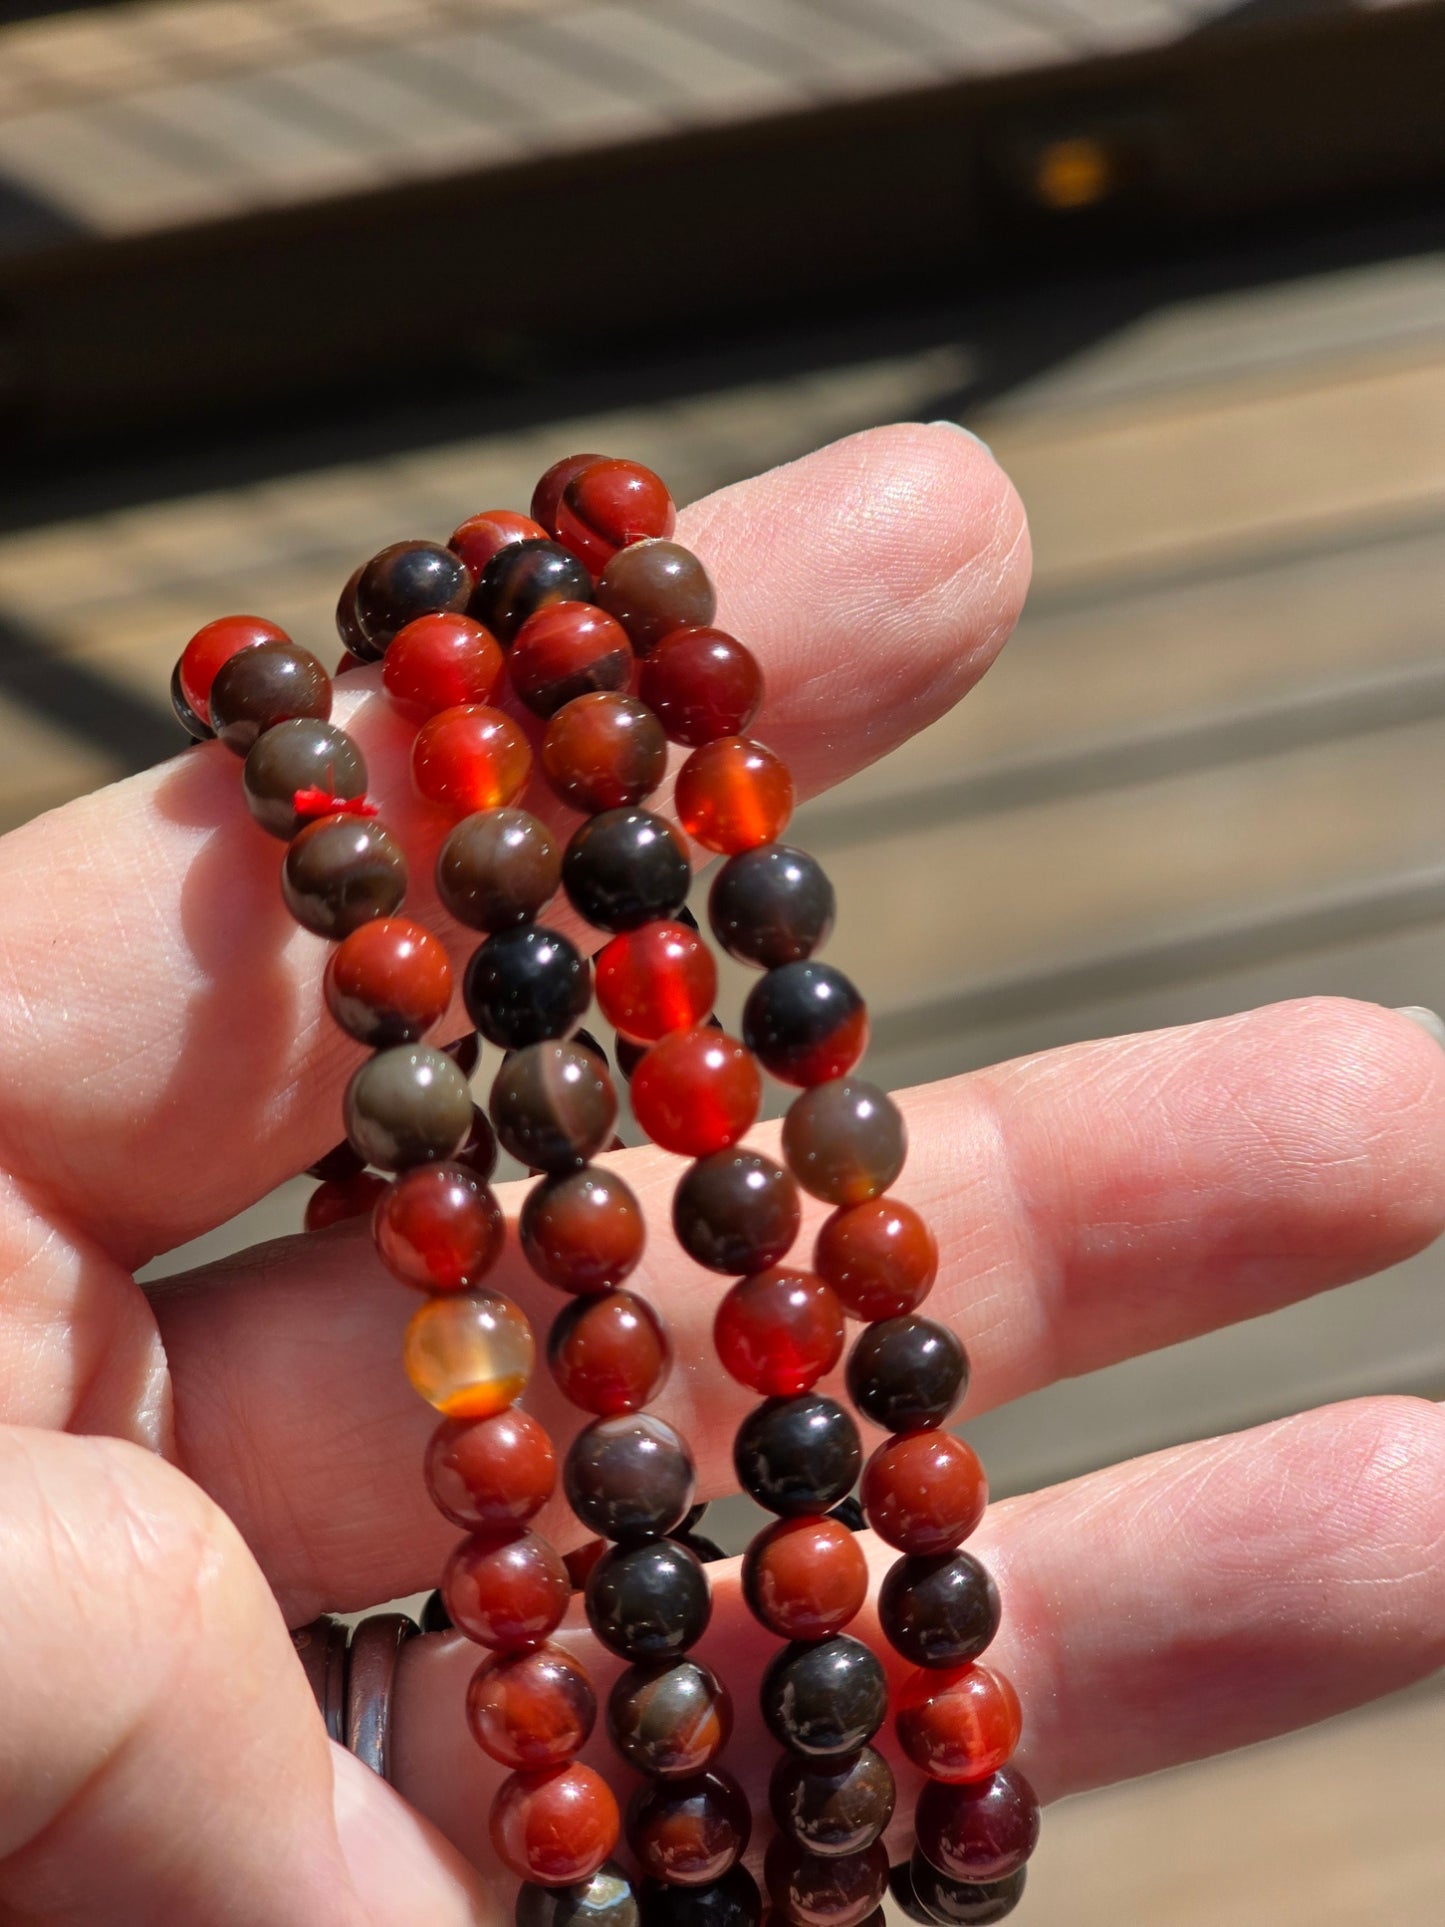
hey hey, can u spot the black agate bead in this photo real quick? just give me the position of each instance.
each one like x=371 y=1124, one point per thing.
x=825 y=1698
x=606 y=1900
x=771 y=906
x=806 y=1023
x=797 y=1456
x=961 y=1903
x=404 y=581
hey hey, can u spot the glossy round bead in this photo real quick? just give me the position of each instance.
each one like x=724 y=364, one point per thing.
x=606 y=1900
x=388 y=982
x=348 y=623
x=567 y=650
x=833 y=1806
x=408 y=1105
x=548 y=493
x=626 y=868
x=339 y=1162
x=771 y=906
x=629 y=1477
x=525 y=985
x=806 y=1023
x=703 y=684
x=304 y=754
x=779 y=1332
x=210 y=648
x=479 y=1152
x=478 y=539
x=270 y=683
x=816 y=1890
x=583 y=1231
x=940 y=1610
x=406 y=580
x=736 y=1212
x=689 y=1832
x=649 y=1602
x=497 y=869
x=845 y=1140
x=924 y=1491
x=609 y=1354
x=337 y=1199
x=963 y=1903
x=656 y=979
x=440 y=662
x=439 y=1228
x=470 y=758
x=553 y=1106
x=522 y=578
x=960 y=1725
x=604 y=751
x=880 y=1258
x=531 y=1710
x=341 y=872
x=797 y=1455
x=733 y=794
x=606 y=504
x=469 y=1354
x=984 y=1830
x=555 y=1828
x=907 y=1374
x=491 y=1474
x=465 y=1052
x=805 y=1578
x=506 y=1593
x=825 y=1699
x=191 y=723
x=733 y=1901
x=696 y=1091
x=653 y=587
x=669 y=1721
x=905 y=1900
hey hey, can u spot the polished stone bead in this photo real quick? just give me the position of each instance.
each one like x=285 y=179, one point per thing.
x=733 y=1901
x=497 y=869
x=924 y=1491
x=797 y=1455
x=469 y=1354
x=604 y=751
x=607 y=503
x=654 y=587
x=548 y=493
x=259 y=687
x=338 y=1199
x=339 y=1162
x=584 y=1231
x=531 y=1710
x=907 y=1374
x=669 y=1721
x=806 y=1023
x=696 y=1091
x=553 y=1105
x=404 y=581
x=465 y=1052
x=441 y=662
x=567 y=650
x=302 y=755
x=771 y=906
x=509 y=1594
x=905 y=1900
x=191 y=723
x=470 y=758
x=805 y=1578
x=833 y=1806
x=702 y=684
x=824 y=1890
x=649 y=1602
x=210 y=649
x=962 y=1903
x=689 y=1832
x=525 y=985
x=348 y=624
x=439 y=1228
x=880 y=1258
x=478 y=539
x=555 y=1828
x=779 y=1332
x=629 y=1478
x=984 y=1830
x=626 y=868
x=845 y=1140
x=825 y=1699
x=341 y=872
x=492 y=1474
x=938 y=1610
x=960 y=1725
x=654 y=980
x=388 y=982
x=407 y=1105
x=522 y=578
x=609 y=1354
x=736 y=1212
x=733 y=794
x=606 y=1900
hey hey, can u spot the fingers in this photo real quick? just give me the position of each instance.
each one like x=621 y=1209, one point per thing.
x=1158 y=1612
x=162 y=1758
x=164 y=1015
x=1090 y=1203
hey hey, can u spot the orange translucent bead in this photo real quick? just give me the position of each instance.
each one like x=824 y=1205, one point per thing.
x=470 y=758
x=469 y=1353
x=655 y=980
x=958 y=1726
x=733 y=795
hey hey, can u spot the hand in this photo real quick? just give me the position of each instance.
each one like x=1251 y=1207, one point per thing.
x=184 y=1472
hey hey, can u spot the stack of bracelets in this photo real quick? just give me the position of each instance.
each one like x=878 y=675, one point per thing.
x=602 y=627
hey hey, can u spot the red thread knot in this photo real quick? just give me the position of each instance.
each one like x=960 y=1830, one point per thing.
x=319 y=802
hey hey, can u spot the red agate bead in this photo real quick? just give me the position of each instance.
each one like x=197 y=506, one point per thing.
x=555 y=1828
x=338 y=1199
x=608 y=503
x=733 y=794
x=582 y=1231
x=441 y=661
x=470 y=758
x=805 y=1578
x=439 y=1228
x=548 y=492
x=531 y=1710
x=960 y=1725
x=211 y=647
x=880 y=1258
x=696 y=1091
x=604 y=751
x=566 y=650
x=656 y=979
x=779 y=1332
x=703 y=684
x=388 y=982
x=507 y=1593
x=609 y=1354
x=490 y=1474
x=924 y=1492
x=979 y=1830
x=477 y=539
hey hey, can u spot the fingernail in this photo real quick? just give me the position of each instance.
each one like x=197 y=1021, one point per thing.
x=959 y=429
x=1430 y=1021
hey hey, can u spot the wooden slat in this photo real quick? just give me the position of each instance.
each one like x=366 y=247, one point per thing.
x=406 y=128
x=547 y=104
x=826 y=60
x=96 y=166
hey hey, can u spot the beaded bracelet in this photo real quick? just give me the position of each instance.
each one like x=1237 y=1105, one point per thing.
x=601 y=626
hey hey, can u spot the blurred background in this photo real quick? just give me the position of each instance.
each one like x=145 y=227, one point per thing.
x=282 y=280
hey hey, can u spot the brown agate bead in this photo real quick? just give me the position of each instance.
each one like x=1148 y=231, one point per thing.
x=404 y=581
x=210 y=649
x=408 y=1105
x=654 y=587
x=609 y=1354
x=439 y=1228
x=489 y=1475
x=779 y=1332
x=924 y=1491
x=584 y=1231
x=703 y=684
x=960 y=1903
x=604 y=751
x=553 y=1105
x=688 y=1832
x=469 y=1354
x=508 y=1593
x=337 y=1199
x=522 y=578
x=958 y=1726
x=306 y=755
x=531 y=1710
x=982 y=1831
x=833 y=1806
x=805 y=1578
x=733 y=794
x=341 y=872
x=816 y=1890
x=880 y=1257
x=265 y=685
x=388 y=982
x=669 y=1721
x=736 y=1212
x=567 y=650
x=348 y=624
x=555 y=1828
x=940 y=1610
x=498 y=868
x=771 y=906
x=630 y=1477
x=845 y=1140
x=470 y=758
